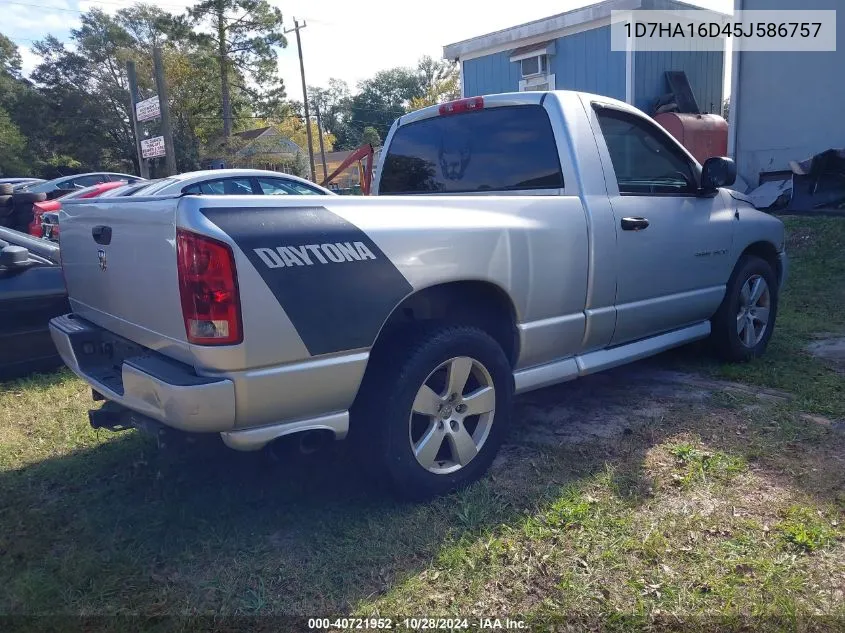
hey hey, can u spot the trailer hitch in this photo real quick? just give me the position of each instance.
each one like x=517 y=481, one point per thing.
x=115 y=417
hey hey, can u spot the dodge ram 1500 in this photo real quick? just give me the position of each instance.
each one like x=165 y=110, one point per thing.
x=517 y=241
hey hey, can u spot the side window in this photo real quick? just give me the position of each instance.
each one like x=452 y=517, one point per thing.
x=510 y=148
x=281 y=187
x=222 y=187
x=644 y=159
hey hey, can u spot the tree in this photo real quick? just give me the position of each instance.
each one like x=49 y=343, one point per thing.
x=244 y=34
x=12 y=146
x=441 y=81
x=371 y=136
x=152 y=27
x=88 y=114
x=291 y=125
x=381 y=100
x=20 y=110
x=333 y=103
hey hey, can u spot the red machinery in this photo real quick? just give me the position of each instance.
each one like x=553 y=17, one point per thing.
x=366 y=171
x=704 y=135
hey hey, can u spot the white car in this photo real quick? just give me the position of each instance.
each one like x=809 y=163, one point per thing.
x=239 y=182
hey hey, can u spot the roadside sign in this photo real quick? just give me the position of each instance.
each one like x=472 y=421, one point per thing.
x=148 y=109
x=152 y=147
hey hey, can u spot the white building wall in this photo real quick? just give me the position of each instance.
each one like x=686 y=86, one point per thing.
x=787 y=106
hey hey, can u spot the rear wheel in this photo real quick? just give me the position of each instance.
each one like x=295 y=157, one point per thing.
x=438 y=413
x=746 y=319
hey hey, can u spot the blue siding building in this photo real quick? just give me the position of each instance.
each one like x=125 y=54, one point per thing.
x=572 y=51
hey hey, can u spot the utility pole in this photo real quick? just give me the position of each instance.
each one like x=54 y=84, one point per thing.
x=322 y=146
x=164 y=104
x=143 y=168
x=297 y=27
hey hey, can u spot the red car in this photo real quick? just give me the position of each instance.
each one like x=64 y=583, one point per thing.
x=45 y=206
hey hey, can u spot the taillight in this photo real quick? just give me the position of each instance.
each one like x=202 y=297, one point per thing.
x=208 y=286
x=461 y=105
x=34 y=227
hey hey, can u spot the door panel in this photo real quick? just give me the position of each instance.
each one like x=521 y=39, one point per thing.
x=673 y=245
x=673 y=272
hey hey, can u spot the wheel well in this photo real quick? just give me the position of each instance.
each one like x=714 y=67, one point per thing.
x=767 y=252
x=478 y=303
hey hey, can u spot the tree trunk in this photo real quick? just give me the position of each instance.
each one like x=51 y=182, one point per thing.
x=224 y=72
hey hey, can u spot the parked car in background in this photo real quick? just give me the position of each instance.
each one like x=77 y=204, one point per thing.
x=32 y=291
x=232 y=182
x=46 y=206
x=20 y=209
x=26 y=183
x=59 y=186
x=17 y=183
x=128 y=190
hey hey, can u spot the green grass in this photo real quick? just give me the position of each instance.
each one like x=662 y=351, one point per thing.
x=717 y=513
x=806 y=529
x=814 y=304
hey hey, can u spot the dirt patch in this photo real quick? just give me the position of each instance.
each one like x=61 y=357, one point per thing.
x=616 y=402
x=831 y=350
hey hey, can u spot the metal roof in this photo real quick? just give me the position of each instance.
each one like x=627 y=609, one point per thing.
x=516 y=36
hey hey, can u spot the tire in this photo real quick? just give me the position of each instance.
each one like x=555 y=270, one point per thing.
x=21 y=219
x=5 y=189
x=5 y=206
x=741 y=329
x=24 y=197
x=393 y=430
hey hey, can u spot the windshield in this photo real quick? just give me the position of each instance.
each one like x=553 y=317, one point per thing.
x=25 y=186
x=41 y=187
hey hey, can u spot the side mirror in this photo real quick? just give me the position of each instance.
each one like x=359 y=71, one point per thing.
x=718 y=171
x=14 y=257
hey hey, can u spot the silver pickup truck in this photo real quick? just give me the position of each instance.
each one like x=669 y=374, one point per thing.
x=518 y=241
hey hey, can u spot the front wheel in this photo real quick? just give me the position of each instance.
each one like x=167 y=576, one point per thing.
x=438 y=414
x=746 y=319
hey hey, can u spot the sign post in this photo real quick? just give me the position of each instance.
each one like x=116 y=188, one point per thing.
x=166 y=130
x=143 y=168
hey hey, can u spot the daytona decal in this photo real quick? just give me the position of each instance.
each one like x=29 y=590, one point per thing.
x=336 y=286
x=309 y=254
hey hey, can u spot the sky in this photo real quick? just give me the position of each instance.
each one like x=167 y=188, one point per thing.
x=342 y=39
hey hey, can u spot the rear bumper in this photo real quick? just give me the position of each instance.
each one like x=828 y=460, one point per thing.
x=167 y=391
x=148 y=383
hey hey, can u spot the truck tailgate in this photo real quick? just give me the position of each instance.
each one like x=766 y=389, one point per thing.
x=119 y=260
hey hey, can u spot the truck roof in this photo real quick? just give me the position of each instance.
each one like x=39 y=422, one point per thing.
x=507 y=99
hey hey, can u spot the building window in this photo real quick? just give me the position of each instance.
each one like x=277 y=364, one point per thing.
x=534 y=66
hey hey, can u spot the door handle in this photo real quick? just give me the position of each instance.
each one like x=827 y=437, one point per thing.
x=101 y=234
x=634 y=224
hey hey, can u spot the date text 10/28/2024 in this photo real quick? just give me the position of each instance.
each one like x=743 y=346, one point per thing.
x=416 y=624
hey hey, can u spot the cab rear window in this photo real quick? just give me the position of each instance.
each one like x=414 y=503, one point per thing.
x=508 y=148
